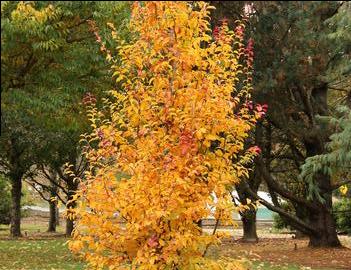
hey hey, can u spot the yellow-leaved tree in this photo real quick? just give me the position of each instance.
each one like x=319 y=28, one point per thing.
x=169 y=144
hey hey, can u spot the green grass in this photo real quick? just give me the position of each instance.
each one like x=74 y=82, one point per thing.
x=50 y=254
x=53 y=254
x=29 y=228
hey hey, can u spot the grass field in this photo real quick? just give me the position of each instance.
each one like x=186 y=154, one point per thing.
x=53 y=254
x=46 y=251
x=37 y=255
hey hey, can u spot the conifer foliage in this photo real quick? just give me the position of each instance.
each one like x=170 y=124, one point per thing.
x=171 y=138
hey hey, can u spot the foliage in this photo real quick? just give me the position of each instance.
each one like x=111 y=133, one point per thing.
x=49 y=64
x=342 y=214
x=338 y=159
x=170 y=139
x=5 y=201
x=278 y=222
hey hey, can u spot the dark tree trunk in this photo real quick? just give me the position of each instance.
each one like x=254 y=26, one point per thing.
x=299 y=235
x=322 y=219
x=199 y=224
x=69 y=226
x=52 y=218
x=16 y=193
x=249 y=226
x=57 y=212
x=53 y=208
x=326 y=235
x=248 y=217
x=72 y=188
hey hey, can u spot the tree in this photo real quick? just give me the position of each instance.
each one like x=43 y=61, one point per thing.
x=5 y=202
x=50 y=189
x=169 y=140
x=15 y=162
x=336 y=162
x=49 y=63
x=248 y=217
x=299 y=67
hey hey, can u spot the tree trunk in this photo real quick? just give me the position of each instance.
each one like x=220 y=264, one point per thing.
x=248 y=217
x=72 y=188
x=327 y=236
x=52 y=218
x=322 y=219
x=53 y=208
x=249 y=226
x=69 y=227
x=299 y=235
x=16 y=193
x=57 y=212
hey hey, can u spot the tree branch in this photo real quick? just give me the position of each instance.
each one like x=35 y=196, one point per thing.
x=37 y=190
x=296 y=222
x=80 y=22
x=337 y=185
x=53 y=181
x=77 y=39
x=278 y=188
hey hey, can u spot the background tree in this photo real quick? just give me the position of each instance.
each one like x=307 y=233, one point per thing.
x=337 y=161
x=5 y=201
x=49 y=63
x=299 y=67
x=50 y=189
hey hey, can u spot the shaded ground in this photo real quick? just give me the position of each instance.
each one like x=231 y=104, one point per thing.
x=283 y=251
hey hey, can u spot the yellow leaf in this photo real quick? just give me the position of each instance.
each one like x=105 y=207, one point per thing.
x=343 y=190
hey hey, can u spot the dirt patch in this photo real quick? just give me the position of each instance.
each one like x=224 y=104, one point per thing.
x=286 y=250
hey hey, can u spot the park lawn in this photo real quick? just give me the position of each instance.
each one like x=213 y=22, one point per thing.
x=30 y=229
x=40 y=250
x=48 y=251
x=53 y=254
x=42 y=254
x=33 y=227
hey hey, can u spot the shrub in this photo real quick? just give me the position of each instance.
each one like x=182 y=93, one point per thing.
x=342 y=214
x=174 y=132
x=278 y=222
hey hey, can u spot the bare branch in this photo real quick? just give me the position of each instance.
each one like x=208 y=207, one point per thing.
x=32 y=184
x=280 y=189
x=296 y=222
x=64 y=190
